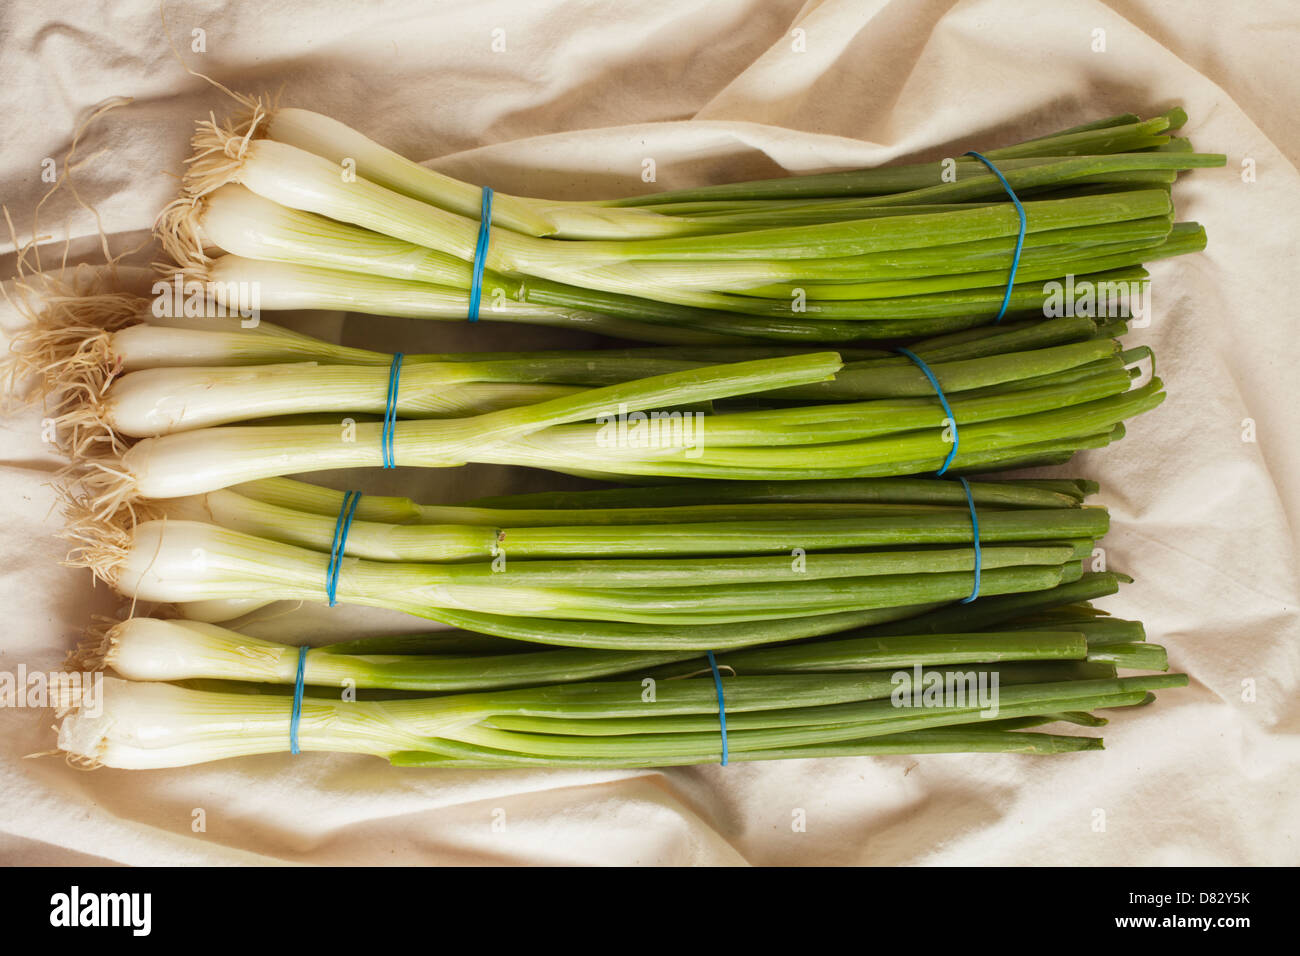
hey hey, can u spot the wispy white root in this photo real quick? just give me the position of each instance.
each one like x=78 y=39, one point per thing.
x=65 y=353
x=100 y=521
x=219 y=149
x=64 y=357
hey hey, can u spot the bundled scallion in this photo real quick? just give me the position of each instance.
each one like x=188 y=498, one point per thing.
x=121 y=374
x=685 y=577
x=1025 y=661
x=803 y=584
x=311 y=214
x=803 y=416
x=148 y=725
x=192 y=651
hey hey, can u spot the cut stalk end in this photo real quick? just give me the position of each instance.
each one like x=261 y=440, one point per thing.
x=97 y=651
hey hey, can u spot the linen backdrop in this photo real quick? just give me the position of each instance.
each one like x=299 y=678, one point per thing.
x=567 y=98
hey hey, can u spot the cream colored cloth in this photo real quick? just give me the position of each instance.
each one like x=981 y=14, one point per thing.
x=580 y=94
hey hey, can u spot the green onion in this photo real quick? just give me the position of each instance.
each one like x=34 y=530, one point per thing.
x=866 y=255
x=645 y=532
x=157 y=562
x=1002 y=426
x=161 y=400
x=194 y=461
x=177 y=650
x=142 y=724
x=822 y=581
x=659 y=577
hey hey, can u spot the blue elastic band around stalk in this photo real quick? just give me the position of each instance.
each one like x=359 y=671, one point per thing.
x=952 y=453
x=722 y=705
x=1020 y=239
x=296 y=717
x=943 y=400
x=390 y=412
x=480 y=253
x=342 y=525
x=975 y=534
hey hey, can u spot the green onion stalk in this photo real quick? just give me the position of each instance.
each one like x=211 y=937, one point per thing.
x=1014 y=409
x=871 y=255
x=122 y=373
x=689 y=577
x=597 y=724
x=110 y=334
x=707 y=530
x=672 y=503
x=122 y=398
x=701 y=520
x=325 y=137
x=146 y=648
x=146 y=468
x=176 y=560
x=1065 y=631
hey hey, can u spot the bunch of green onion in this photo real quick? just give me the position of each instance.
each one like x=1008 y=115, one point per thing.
x=313 y=214
x=666 y=573
x=1056 y=624
x=828 y=583
x=1021 y=661
x=1026 y=394
x=141 y=376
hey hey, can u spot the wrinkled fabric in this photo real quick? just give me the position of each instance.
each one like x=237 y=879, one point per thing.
x=579 y=96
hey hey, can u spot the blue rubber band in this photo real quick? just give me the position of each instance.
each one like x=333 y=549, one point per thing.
x=390 y=412
x=342 y=525
x=975 y=534
x=480 y=253
x=952 y=453
x=722 y=705
x=943 y=400
x=1020 y=239
x=296 y=718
